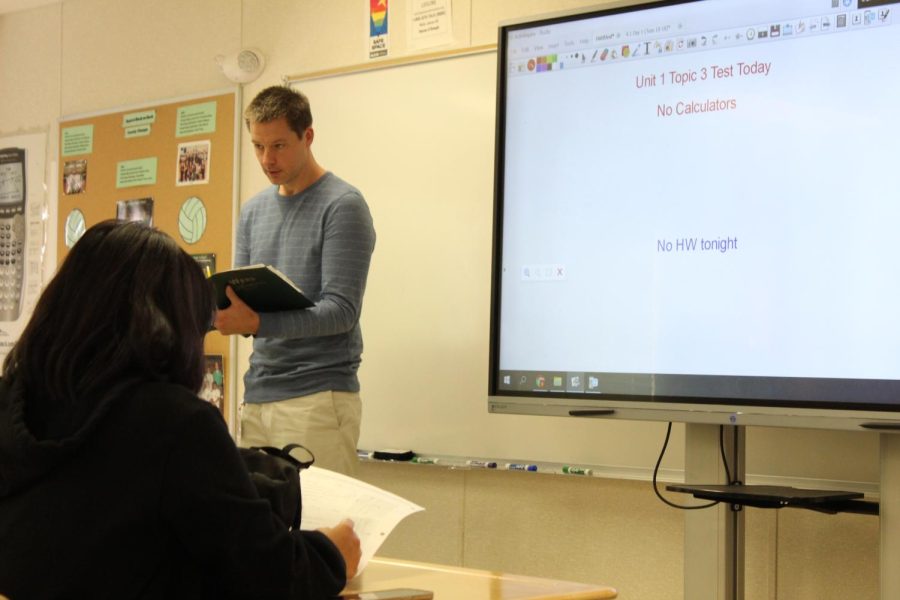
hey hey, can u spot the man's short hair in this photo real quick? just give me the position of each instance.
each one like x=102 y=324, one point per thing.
x=280 y=101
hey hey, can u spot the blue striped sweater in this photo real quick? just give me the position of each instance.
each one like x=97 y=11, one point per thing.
x=322 y=239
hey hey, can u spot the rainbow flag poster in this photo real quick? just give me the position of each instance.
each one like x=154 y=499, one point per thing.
x=378 y=21
x=378 y=28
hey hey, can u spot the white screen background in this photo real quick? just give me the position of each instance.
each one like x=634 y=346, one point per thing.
x=801 y=173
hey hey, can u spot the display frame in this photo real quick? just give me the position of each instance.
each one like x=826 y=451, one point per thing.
x=557 y=400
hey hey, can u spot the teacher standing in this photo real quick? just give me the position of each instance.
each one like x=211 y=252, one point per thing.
x=302 y=385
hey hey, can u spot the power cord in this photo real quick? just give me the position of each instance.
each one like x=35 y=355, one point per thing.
x=662 y=453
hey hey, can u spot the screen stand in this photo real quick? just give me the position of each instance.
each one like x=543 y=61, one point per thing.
x=889 y=515
x=714 y=537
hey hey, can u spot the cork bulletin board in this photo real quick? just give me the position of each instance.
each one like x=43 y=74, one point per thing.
x=171 y=164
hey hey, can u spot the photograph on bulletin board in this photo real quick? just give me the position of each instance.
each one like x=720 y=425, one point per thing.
x=213 y=388
x=75 y=177
x=139 y=209
x=207 y=262
x=193 y=163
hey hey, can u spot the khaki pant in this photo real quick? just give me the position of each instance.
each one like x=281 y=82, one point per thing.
x=327 y=423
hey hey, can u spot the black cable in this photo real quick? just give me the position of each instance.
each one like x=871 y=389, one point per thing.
x=722 y=452
x=659 y=461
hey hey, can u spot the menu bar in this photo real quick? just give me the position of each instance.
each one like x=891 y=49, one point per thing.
x=543 y=55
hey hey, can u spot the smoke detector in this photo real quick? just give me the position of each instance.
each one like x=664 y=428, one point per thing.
x=243 y=67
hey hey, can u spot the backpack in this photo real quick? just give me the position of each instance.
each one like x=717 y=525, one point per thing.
x=276 y=475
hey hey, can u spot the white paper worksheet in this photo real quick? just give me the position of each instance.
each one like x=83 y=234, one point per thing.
x=329 y=497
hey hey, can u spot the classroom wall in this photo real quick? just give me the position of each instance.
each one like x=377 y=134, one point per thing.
x=84 y=56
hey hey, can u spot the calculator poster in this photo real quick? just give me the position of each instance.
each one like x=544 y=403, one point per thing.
x=22 y=228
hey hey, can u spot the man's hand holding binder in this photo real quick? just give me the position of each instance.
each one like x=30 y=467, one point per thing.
x=238 y=318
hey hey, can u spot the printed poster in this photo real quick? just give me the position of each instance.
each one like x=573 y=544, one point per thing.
x=378 y=29
x=430 y=23
x=22 y=215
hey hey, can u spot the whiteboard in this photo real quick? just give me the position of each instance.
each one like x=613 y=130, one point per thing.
x=418 y=141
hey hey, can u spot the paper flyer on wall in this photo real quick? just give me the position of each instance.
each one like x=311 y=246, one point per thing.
x=430 y=23
x=378 y=41
x=330 y=497
x=23 y=213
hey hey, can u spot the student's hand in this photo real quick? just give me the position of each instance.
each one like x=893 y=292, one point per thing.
x=237 y=318
x=343 y=536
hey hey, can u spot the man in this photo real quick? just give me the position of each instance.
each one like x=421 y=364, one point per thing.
x=302 y=384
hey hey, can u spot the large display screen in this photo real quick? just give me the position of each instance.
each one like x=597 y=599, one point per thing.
x=698 y=202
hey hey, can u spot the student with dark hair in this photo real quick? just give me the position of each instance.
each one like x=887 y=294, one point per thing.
x=116 y=480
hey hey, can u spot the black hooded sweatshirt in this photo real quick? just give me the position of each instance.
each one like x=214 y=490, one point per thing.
x=144 y=496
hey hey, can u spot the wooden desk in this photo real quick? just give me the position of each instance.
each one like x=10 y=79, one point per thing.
x=457 y=583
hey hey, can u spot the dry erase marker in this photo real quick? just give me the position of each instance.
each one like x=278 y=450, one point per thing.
x=424 y=461
x=483 y=464
x=576 y=471
x=520 y=467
